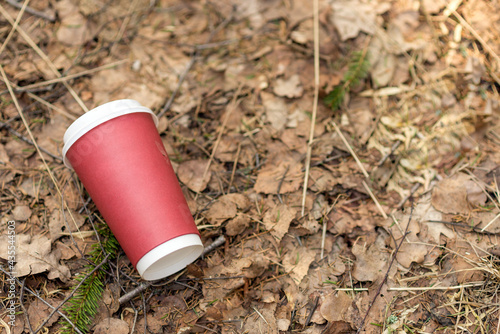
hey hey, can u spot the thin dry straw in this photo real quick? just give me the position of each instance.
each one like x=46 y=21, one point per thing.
x=21 y=114
x=42 y=55
x=315 y=102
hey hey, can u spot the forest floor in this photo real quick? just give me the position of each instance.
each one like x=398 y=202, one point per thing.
x=397 y=231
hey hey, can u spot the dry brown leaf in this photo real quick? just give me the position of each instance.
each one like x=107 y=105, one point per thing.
x=450 y=195
x=191 y=174
x=34 y=255
x=38 y=311
x=61 y=224
x=262 y=322
x=220 y=210
x=4 y=157
x=74 y=29
x=290 y=88
x=281 y=170
x=372 y=261
x=276 y=110
x=21 y=213
x=112 y=326
x=352 y=17
x=297 y=262
x=278 y=219
x=237 y=225
x=336 y=306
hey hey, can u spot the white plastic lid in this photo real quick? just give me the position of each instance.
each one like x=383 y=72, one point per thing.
x=97 y=116
x=170 y=257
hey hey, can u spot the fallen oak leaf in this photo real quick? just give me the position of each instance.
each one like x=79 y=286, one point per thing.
x=34 y=255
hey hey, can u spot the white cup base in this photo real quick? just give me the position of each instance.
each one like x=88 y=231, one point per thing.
x=170 y=257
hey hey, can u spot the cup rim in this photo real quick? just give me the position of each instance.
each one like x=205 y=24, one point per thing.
x=96 y=117
x=170 y=257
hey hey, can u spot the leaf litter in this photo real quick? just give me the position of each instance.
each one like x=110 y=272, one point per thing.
x=423 y=123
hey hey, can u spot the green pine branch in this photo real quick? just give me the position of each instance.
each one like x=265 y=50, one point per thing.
x=84 y=304
x=357 y=70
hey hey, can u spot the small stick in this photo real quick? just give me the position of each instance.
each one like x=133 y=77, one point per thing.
x=42 y=300
x=23 y=8
x=143 y=286
x=341 y=135
x=131 y=294
x=404 y=200
x=32 y=11
x=51 y=106
x=70 y=76
x=281 y=183
x=309 y=317
x=21 y=295
x=193 y=60
x=315 y=102
x=26 y=125
x=260 y=314
x=379 y=207
x=323 y=238
x=386 y=274
x=393 y=149
x=234 y=168
x=45 y=58
x=217 y=242
x=23 y=138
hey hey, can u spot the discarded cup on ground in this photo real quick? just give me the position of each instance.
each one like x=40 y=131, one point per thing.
x=117 y=153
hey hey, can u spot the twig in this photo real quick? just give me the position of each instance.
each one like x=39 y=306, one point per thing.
x=45 y=58
x=145 y=313
x=26 y=125
x=476 y=36
x=27 y=140
x=404 y=200
x=131 y=294
x=42 y=300
x=23 y=7
x=70 y=76
x=21 y=297
x=281 y=183
x=229 y=111
x=472 y=228
x=491 y=222
x=51 y=106
x=217 y=242
x=56 y=309
x=194 y=58
x=143 y=286
x=124 y=25
x=377 y=204
x=393 y=149
x=32 y=11
x=315 y=102
x=260 y=314
x=308 y=320
x=341 y=135
x=323 y=238
x=360 y=328
x=235 y=164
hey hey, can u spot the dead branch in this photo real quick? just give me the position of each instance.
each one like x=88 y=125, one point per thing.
x=360 y=328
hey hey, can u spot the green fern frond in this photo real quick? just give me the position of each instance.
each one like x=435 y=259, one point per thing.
x=84 y=304
x=357 y=70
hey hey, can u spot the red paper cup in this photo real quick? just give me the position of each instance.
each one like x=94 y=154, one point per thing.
x=118 y=155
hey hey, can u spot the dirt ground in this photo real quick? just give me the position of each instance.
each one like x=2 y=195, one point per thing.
x=376 y=216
